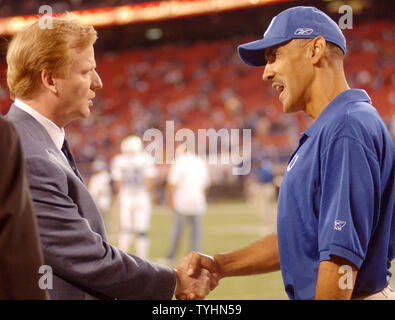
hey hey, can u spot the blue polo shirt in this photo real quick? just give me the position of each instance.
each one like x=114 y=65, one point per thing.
x=337 y=198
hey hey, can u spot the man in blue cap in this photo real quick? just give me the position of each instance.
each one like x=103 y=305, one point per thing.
x=336 y=223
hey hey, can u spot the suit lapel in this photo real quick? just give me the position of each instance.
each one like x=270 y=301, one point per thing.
x=32 y=127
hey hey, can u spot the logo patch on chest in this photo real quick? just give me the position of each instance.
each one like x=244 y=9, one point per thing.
x=339 y=225
x=292 y=162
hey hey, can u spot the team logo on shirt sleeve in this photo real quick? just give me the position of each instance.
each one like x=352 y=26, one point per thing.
x=339 y=225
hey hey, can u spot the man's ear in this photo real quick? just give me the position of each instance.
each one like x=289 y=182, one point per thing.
x=48 y=81
x=317 y=49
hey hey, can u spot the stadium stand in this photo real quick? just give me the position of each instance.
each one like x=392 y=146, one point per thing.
x=27 y=7
x=205 y=85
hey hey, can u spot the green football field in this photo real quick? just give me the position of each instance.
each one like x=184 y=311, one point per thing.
x=226 y=226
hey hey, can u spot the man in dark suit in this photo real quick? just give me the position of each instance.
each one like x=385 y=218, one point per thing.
x=51 y=76
x=20 y=248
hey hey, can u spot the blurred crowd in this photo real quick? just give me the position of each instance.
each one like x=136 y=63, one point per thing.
x=205 y=85
x=28 y=7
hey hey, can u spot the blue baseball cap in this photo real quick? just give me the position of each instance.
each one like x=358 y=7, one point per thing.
x=294 y=23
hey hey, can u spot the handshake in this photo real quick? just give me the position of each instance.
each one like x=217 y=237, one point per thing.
x=197 y=274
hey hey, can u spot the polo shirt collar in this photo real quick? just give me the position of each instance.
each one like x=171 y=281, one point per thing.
x=336 y=105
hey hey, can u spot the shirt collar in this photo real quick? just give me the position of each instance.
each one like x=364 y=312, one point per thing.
x=335 y=106
x=57 y=134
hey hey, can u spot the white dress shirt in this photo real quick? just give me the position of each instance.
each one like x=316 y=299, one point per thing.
x=57 y=134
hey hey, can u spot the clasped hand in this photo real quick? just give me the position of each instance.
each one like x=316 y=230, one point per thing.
x=197 y=274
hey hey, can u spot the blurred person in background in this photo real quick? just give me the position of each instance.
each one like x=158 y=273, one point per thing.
x=52 y=79
x=134 y=173
x=100 y=188
x=261 y=192
x=186 y=191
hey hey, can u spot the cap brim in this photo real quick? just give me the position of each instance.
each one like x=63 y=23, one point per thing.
x=253 y=53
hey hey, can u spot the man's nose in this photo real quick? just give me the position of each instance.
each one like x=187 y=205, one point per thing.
x=268 y=73
x=97 y=83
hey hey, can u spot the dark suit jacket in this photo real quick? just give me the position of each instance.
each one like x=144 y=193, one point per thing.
x=20 y=249
x=72 y=232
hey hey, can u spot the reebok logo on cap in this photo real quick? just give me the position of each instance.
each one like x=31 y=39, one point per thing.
x=303 y=31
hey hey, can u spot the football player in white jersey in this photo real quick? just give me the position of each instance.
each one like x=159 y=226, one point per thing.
x=133 y=172
x=100 y=188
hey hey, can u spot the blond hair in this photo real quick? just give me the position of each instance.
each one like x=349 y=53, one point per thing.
x=35 y=49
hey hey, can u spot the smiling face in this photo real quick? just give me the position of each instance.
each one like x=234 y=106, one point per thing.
x=291 y=73
x=77 y=89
